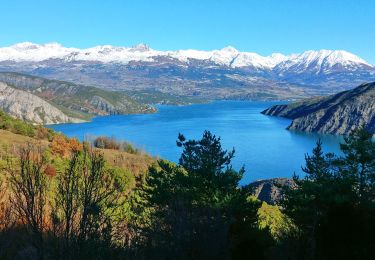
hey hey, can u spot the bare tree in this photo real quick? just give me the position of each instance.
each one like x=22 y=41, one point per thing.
x=6 y=216
x=87 y=195
x=67 y=198
x=29 y=187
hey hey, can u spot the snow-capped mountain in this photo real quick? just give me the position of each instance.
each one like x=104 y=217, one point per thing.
x=315 y=61
x=323 y=61
x=223 y=73
x=27 y=51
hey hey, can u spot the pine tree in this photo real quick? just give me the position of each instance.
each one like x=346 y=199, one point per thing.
x=209 y=167
x=359 y=162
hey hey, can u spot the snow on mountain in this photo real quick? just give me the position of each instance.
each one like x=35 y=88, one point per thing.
x=345 y=58
x=245 y=59
x=224 y=56
x=28 y=51
x=322 y=61
x=315 y=61
x=185 y=55
x=108 y=53
x=276 y=58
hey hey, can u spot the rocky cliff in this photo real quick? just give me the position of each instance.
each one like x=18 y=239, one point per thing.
x=30 y=108
x=73 y=102
x=336 y=114
x=270 y=190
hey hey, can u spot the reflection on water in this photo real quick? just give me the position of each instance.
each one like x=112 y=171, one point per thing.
x=262 y=143
x=330 y=141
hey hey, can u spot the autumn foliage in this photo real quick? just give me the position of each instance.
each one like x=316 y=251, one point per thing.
x=106 y=143
x=50 y=170
x=64 y=146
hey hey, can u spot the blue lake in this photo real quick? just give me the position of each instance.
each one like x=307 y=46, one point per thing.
x=262 y=143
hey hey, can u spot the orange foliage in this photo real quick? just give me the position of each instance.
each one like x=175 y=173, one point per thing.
x=59 y=145
x=50 y=171
x=42 y=133
x=64 y=146
x=75 y=145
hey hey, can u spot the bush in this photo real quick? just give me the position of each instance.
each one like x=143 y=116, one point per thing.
x=6 y=125
x=50 y=171
x=18 y=126
x=44 y=133
x=129 y=148
x=104 y=142
x=22 y=128
x=64 y=146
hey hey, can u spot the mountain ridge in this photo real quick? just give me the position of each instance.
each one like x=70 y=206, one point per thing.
x=336 y=114
x=228 y=56
x=30 y=108
x=217 y=74
x=61 y=101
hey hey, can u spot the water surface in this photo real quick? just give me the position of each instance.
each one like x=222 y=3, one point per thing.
x=262 y=143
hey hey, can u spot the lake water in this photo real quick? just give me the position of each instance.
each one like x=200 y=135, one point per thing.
x=262 y=144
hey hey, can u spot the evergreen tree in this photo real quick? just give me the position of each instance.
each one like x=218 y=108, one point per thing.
x=200 y=210
x=359 y=162
x=333 y=205
x=209 y=167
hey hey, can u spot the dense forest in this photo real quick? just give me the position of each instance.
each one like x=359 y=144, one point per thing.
x=63 y=199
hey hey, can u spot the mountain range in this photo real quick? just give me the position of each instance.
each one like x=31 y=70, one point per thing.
x=317 y=61
x=218 y=74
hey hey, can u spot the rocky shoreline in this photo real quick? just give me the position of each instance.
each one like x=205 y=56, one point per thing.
x=270 y=190
x=335 y=114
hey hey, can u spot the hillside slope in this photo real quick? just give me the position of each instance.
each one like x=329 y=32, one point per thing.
x=66 y=101
x=28 y=107
x=15 y=133
x=336 y=114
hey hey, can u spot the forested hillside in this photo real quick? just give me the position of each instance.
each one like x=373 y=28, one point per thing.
x=53 y=101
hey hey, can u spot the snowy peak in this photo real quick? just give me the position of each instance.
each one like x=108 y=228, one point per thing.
x=27 y=51
x=344 y=57
x=246 y=59
x=185 y=55
x=313 y=61
x=225 y=56
x=322 y=61
x=24 y=46
x=141 y=47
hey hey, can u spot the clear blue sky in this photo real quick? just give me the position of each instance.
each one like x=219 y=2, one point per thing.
x=262 y=26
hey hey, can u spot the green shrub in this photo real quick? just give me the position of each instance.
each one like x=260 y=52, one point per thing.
x=104 y=142
x=22 y=128
x=18 y=126
x=129 y=148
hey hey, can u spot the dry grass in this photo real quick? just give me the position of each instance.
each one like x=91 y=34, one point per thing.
x=9 y=141
x=9 y=138
x=135 y=163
